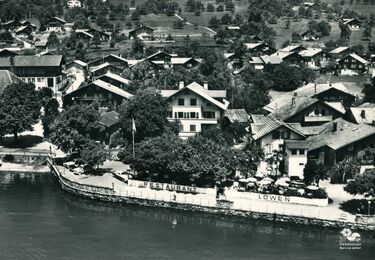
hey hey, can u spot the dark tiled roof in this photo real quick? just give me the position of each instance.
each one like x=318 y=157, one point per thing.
x=6 y=78
x=33 y=61
x=239 y=115
x=263 y=125
x=347 y=133
x=109 y=119
x=288 y=110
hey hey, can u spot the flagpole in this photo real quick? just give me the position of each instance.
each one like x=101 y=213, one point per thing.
x=133 y=133
x=133 y=144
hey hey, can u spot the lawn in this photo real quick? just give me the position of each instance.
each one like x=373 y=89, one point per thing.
x=361 y=6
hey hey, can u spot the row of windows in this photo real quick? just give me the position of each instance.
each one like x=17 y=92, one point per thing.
x=32 y=80
x=193 y=115
x=281 y=135
x=193 y=102
x=300 y=151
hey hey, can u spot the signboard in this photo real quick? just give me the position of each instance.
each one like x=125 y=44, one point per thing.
x=271 y=197
x=170 y=187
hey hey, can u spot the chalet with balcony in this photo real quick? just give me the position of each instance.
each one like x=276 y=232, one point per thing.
x=104 y=68
x=44 y=71
x=352 y=64
x=354 y=24
x=341 y=140
x=339 y=53
x=197 y=107
x=104 y=36
x=259 y=62
x=97 y=91
x=288 y=57
x=115 y=80
x=333 y=94
x=141 y=32
x=55 y=24
x=259 y=48
x=307 y=111
x=310 y=35
x=314 y=57
x=112 y=59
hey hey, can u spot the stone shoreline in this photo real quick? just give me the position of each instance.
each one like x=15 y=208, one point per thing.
x=219 y=209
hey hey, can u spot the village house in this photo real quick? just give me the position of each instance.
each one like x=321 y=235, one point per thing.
x=143 y=32
x=275 y=138
x=259 y=48
x=260 y=62
x=10 y=25
x=7 y=53
x=307 y=111
x=197 y=107
x=339 y=53
x=289 y=57
x=310 y=35
x=341 y=140
x=74 y=4
x=314 y=57
x=104 y=36
x=97 y=91
x=365 y=113
x=354 y=24
x=55 y=24
x=103 y=69
x=115 y=80
x=77 y=65
x=84 y=35
x=235 y=115
x=24 y=31
x=111 y=59
x=44 y=71
x=352 y=64
x=292 y=48
x=334 y=94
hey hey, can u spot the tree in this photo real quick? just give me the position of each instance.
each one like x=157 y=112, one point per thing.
x=93 y=154
x=287 y=23
x=345 y=31
x=344 y=170
x=251 y=97
x=314 y=172
x=214 y=22
x=226 y=19
x=371 y=20
x=210 y=7
x=369 y=91
x=363 y=184
x=97 y=40
x=367 y=33
x=51 y=111
x=76 y=126
x=19 y=108
x=149 y=111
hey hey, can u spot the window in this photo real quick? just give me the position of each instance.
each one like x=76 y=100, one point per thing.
x=301 y=164
x=193 y=102
x=209 y=114
x=180 y=115
x=276 y=135
x=193 y=115
x=323 y=112
x=193 y=128
x=350 y=147
x=294 y=151
x=286 y=135
x=301 y=151
x=181 y=102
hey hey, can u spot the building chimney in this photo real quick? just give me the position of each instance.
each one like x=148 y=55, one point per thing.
x=334 y=127
x=181 y=85
x=293 y=101
x=363 y=113
x=205 y=85
x=315 y=88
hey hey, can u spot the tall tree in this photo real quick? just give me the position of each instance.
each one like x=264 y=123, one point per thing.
x=19 y=108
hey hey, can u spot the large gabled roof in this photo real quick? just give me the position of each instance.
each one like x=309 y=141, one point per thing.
x=346 y=134
x=356 y=57
x=107 y=86
x=308 y=90
x=7 y=78
x=200 y=91
x=115 y=77
x=263 y=125
x=33 y=61
x=239 y=115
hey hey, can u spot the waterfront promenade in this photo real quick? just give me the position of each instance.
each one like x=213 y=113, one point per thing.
x=115 y=187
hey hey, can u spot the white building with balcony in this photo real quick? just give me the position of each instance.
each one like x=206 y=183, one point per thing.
x=74 y=3
x=196 y=107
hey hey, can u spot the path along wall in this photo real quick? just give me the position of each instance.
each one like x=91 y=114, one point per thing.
x=220 y=207
x=233 y=195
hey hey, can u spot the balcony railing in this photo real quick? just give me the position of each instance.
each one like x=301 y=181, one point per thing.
x=318 y=118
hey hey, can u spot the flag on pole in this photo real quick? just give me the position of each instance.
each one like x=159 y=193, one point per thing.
x=133 y=125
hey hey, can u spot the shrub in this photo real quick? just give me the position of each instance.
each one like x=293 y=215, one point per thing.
x=357 y=206
x=8 y=158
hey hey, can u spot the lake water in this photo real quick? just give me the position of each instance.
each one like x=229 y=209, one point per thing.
x=39 y=221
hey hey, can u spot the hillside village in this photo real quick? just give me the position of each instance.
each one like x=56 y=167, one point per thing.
x=302 y=109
